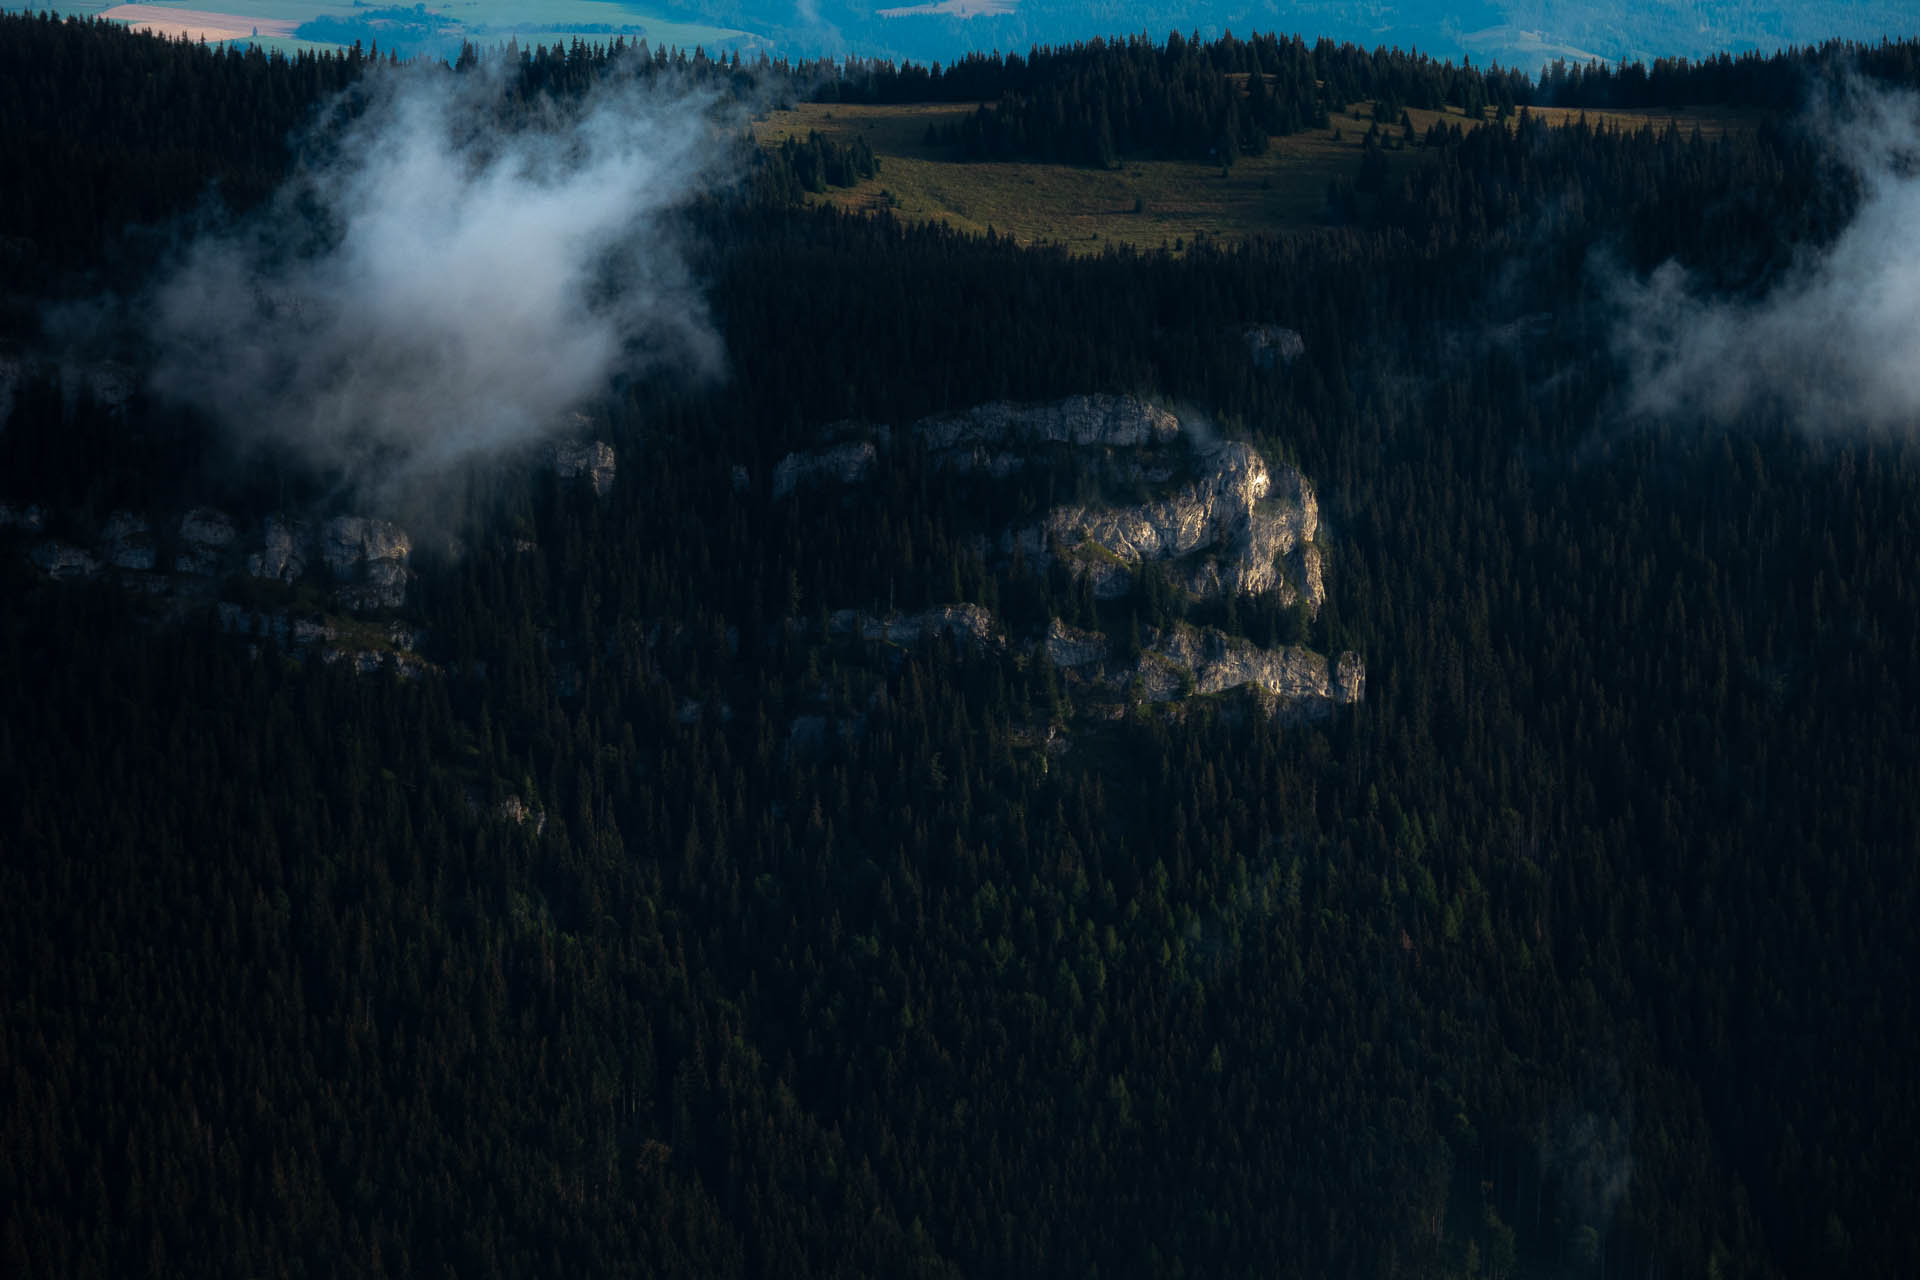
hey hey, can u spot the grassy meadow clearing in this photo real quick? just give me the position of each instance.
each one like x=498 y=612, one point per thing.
x=1141 y=204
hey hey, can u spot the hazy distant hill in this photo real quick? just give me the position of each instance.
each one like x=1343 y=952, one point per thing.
x=1526 y=32
x=1523 y=33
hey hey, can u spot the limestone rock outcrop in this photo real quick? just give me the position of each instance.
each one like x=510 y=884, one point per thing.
x=286 y=547
x=64 y=562
x=30 y=517
x=1231 y=529
x=842 y=464
x=1219 y=517
x=592 y=459
x=284 y=629
x=1070 y=647
x=1173 y=665
x=1272 y=344
x=368 y=558
x=967 y=624
x=997 y=437
x=127 y=542
x=12 y=372
x=1185 y=662
x=205 y=535
x=297 y=635
x=1294 y=673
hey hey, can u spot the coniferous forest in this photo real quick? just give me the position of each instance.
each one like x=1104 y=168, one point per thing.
x=1580 y=946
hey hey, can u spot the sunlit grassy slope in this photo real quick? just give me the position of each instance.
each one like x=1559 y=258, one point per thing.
x=1143 y=203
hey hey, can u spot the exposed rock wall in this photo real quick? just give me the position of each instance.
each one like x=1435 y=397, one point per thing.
x=965 y=623
x=1179 y=663
x=369 y=559
x=286 y=547
x=64 y=562
x=30 y=518
x=592 y=459
x=842 y=464
x=365 y=558
x=1070 y=647
x=1223 y=519
x=1234 y=522
x=292 y=633
x=1185 y=661
x=205 y=535
x=1272 y=344
x=127 y=542
x=996 y=437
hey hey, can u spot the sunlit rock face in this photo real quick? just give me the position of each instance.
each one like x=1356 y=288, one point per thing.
x=1215 y=514
x=1184 y=662
x=1219 y=662
x=368 y=558
x=1106 y=680
x=1071 y=647
x=1152 y=492
x=1234 y=528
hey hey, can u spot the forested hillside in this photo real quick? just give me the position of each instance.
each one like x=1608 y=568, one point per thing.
x=1578 y=947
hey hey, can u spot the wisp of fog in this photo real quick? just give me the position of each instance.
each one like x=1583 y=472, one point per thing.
x=427 y=289
x=1838 y=340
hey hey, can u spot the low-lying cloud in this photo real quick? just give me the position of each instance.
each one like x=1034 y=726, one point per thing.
x=428 y=288
x=1837 y=342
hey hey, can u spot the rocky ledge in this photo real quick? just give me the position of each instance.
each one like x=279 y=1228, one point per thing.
x=365 y=558
x=1171 y=665
x=967 y=624
x=591 y=460
x=1217 y=515
x=368 y=559
x=1185 y=661
x=363 y=648
x=997 y=438
x=1232 y=529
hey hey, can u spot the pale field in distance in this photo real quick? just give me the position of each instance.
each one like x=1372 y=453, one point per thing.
x=487 y=22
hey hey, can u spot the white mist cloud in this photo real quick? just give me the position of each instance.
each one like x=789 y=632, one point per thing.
x=1838 y=340
x=432 y=288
